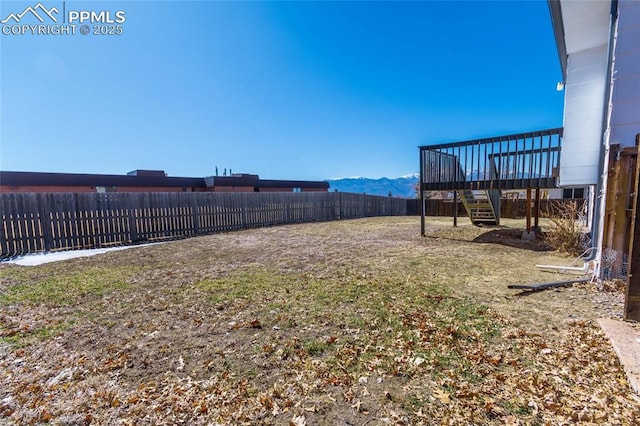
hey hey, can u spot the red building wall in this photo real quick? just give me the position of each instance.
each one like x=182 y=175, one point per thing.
x=232 y=189
x=7 y=188
x=147 y=181
x=276 y=190
x=291 y=190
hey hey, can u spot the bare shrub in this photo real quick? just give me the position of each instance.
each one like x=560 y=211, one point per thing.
x=564 y=231
x=613 y=286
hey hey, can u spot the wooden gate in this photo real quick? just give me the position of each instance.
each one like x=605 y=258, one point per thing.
x=622 y=229
x=618 y=218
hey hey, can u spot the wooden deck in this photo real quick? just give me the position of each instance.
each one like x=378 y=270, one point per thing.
x=477 y=170
x=519 y=161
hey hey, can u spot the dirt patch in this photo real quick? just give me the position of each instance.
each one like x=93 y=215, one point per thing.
x=513 y=238
x=353 y=322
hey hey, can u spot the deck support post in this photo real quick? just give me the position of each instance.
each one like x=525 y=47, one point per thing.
x=528 y=210
x=455 y=208
x=422 y=214
x=421 y=189
x=536 y=207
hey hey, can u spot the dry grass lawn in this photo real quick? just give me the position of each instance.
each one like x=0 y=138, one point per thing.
x=342 y=323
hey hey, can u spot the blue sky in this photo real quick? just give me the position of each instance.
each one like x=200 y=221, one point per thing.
x=287 y=90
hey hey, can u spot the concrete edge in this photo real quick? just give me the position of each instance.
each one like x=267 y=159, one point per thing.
x=626 y=344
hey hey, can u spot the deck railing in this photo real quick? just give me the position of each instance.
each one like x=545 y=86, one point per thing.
x=524 y=160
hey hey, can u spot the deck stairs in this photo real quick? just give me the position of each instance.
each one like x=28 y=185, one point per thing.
x=482 y=206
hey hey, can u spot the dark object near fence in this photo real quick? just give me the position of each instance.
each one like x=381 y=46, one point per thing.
x=544 y=286
x=33 y=222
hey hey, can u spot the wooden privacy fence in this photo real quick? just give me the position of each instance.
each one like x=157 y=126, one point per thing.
x=33 y=222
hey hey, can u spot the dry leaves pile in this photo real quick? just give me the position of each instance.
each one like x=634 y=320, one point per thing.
x=339 y=323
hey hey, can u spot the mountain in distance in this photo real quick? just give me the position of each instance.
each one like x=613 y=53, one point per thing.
x=403 y=186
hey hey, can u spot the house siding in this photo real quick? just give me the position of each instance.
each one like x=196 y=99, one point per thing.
x=625 y=114
x=583 y=111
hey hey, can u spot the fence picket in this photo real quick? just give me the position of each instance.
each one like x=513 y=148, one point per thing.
x=4 y=230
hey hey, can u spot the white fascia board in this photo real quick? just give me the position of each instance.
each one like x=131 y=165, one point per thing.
x=586 y=24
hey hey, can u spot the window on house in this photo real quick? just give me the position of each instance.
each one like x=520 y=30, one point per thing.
x=297 y=189
x=572 y=193
x=104 y=189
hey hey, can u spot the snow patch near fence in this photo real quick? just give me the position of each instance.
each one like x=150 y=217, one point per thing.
x=36 y=259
